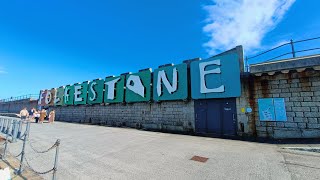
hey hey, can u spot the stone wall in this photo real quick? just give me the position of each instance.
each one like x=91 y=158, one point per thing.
x=16 y=106
x=246 y=121
x=301 y=91
x=166 y=116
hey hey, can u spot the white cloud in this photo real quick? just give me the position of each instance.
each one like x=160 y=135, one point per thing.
x=241 y=22
x=2 y=71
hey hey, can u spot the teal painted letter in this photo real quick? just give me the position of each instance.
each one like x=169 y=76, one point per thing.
x=216 y=77
x=170 y=83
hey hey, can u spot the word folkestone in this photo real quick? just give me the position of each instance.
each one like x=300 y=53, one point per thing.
x=217 y=77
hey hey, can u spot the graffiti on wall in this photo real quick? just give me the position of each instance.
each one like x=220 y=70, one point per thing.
x=272 y=109
x=216 y=77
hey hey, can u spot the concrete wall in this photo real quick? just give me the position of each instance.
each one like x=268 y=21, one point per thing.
x=16 y=106
x=302 y=98
x=301 y=91
x=166 y=116
x=246 y=121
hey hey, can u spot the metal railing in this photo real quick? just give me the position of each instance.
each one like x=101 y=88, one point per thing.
x=17 y=98
x=293 y=51
x=13 y=127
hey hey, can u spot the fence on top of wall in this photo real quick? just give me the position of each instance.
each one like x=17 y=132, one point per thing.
x=295 y=47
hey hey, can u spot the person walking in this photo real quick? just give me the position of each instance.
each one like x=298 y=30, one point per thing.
x=43 y=114
x=37 y=115
x=31 y=114
x=52 y=115
x=24 y=114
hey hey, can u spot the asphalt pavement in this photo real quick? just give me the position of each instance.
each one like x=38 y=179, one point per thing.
x=98 y=152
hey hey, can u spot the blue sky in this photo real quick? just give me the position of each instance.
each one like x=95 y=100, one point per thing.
x=45 y=44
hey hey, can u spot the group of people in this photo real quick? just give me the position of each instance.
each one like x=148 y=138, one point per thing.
x=37 y=115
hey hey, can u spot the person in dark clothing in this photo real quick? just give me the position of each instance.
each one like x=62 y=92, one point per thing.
x=37 y=115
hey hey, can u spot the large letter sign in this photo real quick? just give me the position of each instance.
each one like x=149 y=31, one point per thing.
x=41 y=98
x=114 y=89
x=138 y=86
x=217 y=77
x=58 y=98
x=80 y=93
x=170 y=83
x=68 y=95
x=95 y=91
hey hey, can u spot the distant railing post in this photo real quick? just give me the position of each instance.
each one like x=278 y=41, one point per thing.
x=292 y=48
x=26 y=135
x=55 y=168
x=247 y=65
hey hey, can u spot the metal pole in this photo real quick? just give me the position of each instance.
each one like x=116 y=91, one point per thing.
x=56 y=161
x=2 y=120
x=4 y=125
x=23 y=149
x=5 y=147
x=8 y=126
x=247 y=66
x=14 y=131
x=19 y=129
x=292 y=48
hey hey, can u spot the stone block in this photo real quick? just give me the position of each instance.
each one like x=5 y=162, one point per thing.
x=310 y=133
x=297 y=104
x=271 y=124
x=300 y=119
x=305 y=88
x=303 y=94
x=316 y=83
x=282 y=134
x=307 y=99
x=291 y=114
x=275 y=91
x=316 y=98
x=275 y=95
x=299 y=99
x=312 y=120
x=294 y=85
x=285 y=95
x=310 y=104
x=314 y=109
x=283 y=81
x=311 y=114
x=302 y=125
x=301 y=109
x=298 y=114
x=313 y=126
x=285 y=90
x=295 y=89
x=280 y=124
x=262 y=134
x=290 y=125
x=295 y=94
x=305 y=84
x=274 y=82
x=289 y=119
x=261 y=128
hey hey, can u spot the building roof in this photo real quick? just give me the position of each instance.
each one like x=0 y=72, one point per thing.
x=299 y=64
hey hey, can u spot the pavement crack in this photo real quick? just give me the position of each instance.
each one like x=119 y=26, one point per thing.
x=296 y=164
x=285 y=163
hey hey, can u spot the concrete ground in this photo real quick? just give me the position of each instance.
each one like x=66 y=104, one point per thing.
x=97 y=152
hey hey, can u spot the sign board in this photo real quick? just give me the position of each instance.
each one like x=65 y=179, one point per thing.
x=170 y=83
x=272 y=109
x=216 y=77
x=138 y=86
